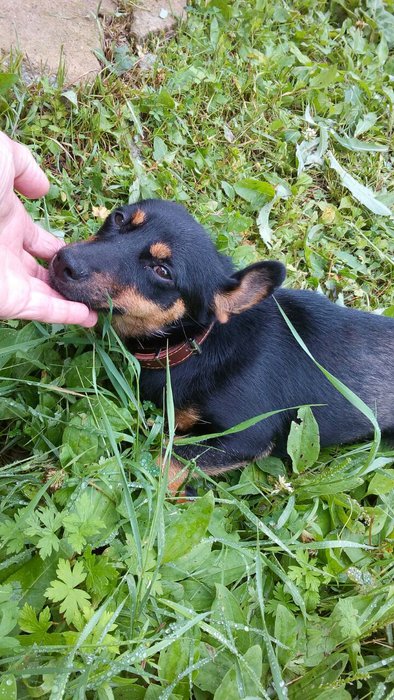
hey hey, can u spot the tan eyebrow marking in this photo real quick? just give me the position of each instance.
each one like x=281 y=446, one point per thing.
x=138 y=218
x=160 y=251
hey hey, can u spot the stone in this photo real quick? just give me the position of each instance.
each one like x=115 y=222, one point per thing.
x=155 y=16
x=146 y=62
x=47 y=32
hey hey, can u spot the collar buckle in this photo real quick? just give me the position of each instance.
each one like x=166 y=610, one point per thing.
x=194 y=346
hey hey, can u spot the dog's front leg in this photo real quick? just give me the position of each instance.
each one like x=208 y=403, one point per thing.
x=213 y=457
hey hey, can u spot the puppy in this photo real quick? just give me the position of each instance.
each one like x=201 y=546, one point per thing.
x=231 y=354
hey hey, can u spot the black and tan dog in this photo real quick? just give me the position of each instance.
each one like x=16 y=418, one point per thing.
x=231 y=353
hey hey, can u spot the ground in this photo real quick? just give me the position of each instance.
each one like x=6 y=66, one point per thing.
x=48 y=33
x=272 y=123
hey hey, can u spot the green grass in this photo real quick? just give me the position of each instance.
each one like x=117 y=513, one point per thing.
x=278 y=580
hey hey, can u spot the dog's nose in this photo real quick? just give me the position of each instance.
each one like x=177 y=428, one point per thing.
x=67 y=266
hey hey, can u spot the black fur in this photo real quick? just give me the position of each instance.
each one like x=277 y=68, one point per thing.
x=250 y=363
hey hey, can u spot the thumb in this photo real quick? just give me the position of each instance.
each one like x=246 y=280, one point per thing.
x=29 y=180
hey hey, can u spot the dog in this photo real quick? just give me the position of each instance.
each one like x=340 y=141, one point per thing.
x=232 y=357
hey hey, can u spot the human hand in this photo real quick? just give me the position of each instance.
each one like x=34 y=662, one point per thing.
x=24 y=289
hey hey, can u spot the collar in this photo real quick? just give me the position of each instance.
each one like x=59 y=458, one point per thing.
x=176 y=354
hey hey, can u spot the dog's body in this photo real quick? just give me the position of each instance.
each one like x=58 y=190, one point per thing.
x=253 y=365
x=168 y=283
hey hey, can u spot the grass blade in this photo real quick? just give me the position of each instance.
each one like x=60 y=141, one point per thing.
x=341 y=387
x=363 y=194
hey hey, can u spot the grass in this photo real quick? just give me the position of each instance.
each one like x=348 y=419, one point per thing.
x=278 y=580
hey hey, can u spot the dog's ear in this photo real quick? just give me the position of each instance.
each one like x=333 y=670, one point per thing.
x=247 y=288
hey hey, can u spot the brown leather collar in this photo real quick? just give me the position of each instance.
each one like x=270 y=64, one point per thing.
x=175 y=353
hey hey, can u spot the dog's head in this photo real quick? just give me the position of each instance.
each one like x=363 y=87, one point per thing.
x=155 y=266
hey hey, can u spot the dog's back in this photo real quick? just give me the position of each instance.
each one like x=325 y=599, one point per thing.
x=355 y=347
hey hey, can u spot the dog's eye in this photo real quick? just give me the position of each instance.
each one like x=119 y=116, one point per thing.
x=118 y=218
x=162 y=271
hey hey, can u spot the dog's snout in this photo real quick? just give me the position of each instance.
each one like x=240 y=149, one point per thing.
x=67 y=267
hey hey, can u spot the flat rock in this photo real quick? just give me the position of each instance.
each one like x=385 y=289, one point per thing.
x=46 y=31
x=43 y=29
x=155 y=16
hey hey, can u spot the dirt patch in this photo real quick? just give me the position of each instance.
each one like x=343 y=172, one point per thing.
x=47 y=32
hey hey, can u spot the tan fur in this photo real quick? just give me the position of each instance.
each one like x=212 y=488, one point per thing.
x=100 y=287
x=250 y=291
x=161 y=251
x=225 y=468
x=185 y=418
x=221 y=469
x=142 y=316
x=138 y=218
x=91 y=239
x=177 y=475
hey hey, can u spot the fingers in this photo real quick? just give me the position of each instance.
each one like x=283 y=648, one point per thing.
x=24 y=281
x=36 y=240
x=33 y=268
x=46 y=305
x=7 y=175
x=41 y=243
x=18 y=169
x=29 y=178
